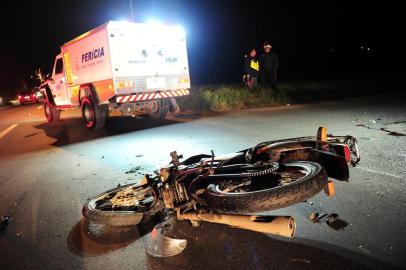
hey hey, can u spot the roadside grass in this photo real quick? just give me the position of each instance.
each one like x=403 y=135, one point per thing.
x=236 y=96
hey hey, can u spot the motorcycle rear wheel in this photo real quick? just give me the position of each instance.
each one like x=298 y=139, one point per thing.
x=292 y=183
x=100 y=208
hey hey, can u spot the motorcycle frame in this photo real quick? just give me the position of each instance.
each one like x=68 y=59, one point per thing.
x=318 y=149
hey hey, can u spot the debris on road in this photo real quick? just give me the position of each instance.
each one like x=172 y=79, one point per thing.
x=4 y=221
x=134 y=170
x=139 y=155
x=315 y=217
x=300 y=260
x=362 y=125
x=336 y=223
x=389 y=132
x=393 y=133
x=379 y=194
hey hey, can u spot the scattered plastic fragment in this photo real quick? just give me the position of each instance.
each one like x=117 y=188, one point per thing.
x=336 y=223
x=4 y=221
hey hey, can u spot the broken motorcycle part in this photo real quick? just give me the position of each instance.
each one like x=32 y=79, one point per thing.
x=157 y=244
x=230 y=189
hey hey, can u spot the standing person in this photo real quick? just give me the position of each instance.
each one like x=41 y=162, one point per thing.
x=251 y=68
x=269 y=63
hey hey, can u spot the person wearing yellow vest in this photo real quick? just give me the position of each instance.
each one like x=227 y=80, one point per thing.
x=251 y=68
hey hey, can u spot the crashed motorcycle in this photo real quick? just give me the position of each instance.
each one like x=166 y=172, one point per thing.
x=229 y=189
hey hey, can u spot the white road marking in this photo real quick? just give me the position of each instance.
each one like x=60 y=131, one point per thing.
x=382 y=173
x=6 y=107
x=7 y=130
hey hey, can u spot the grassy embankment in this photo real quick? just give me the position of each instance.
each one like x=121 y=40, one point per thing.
x=234 y=97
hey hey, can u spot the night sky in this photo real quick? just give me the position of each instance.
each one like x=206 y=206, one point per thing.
x=314 y=39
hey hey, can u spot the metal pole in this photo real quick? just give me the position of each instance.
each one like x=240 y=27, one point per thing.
x=131 y=11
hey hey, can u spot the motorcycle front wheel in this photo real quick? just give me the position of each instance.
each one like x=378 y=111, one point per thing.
x=291 y=183
x=122 y=206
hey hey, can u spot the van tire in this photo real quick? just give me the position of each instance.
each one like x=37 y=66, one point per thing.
x=93 y=115
x=159 y=110
x=52 y=113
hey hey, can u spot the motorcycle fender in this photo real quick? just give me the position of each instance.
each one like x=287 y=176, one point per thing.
x=335 y=165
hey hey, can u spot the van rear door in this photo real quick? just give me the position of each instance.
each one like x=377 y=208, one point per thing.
x=148 y=57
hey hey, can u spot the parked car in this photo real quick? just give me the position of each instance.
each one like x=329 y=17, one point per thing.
x=27 y=97
x=39 y=93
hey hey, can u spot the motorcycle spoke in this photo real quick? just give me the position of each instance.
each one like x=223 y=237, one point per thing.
x=235 y=187
x=288 y=177
x=144 y=201
x=105 y=205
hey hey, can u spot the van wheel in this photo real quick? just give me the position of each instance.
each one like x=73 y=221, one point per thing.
x=158 y=109
x=93 y=116
x=51 y=112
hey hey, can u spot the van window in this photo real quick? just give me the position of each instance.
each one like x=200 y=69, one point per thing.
x=59 y=66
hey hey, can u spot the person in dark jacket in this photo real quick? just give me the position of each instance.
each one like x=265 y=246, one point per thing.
x=251 y=69
x=269 y=63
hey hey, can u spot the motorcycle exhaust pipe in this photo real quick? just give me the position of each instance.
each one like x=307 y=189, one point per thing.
x=278 y=225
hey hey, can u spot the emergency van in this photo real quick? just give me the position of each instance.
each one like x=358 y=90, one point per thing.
x=119 y=66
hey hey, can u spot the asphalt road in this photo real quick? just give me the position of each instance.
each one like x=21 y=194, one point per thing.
x=48 y=171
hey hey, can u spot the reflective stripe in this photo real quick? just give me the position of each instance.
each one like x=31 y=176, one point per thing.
x=126 y=98
x=150 y=96
x=254 y=65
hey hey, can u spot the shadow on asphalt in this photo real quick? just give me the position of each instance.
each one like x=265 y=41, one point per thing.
x=213 y=246
x=90 y=240
x=72 y=130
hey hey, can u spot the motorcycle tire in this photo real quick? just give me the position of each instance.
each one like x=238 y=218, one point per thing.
x=93 y=212
x=314 y=179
